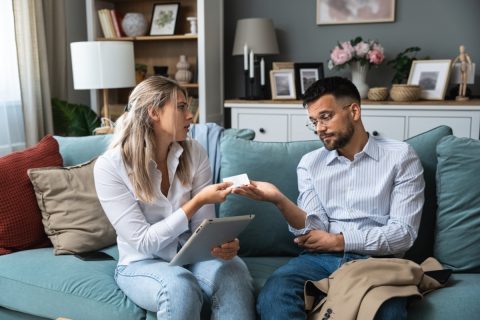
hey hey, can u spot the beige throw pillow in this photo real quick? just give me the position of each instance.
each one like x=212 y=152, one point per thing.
x=71 y=212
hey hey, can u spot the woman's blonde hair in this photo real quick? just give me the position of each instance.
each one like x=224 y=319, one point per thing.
x=134 y=133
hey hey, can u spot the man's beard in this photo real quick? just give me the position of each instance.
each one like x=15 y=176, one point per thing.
x=340 y=140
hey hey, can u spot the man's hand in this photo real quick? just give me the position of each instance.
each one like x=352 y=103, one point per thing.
x=259 y=190
x=318 y=240
x=227 y=250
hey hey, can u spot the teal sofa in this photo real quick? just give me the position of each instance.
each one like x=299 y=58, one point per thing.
x=36 y=284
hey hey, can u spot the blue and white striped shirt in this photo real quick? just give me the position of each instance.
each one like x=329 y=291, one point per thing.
x=375 y=201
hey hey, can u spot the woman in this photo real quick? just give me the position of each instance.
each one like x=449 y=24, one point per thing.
x=154 y=186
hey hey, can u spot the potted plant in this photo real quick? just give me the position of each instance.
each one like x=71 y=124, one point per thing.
x=402 y=64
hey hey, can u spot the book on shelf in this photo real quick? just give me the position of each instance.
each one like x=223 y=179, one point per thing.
x=106 y=23
x=116 y=19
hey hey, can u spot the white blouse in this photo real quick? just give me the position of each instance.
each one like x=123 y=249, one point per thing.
x=151 y=230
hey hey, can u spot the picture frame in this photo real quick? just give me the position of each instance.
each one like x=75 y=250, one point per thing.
x=277 y=65
x=164 y=18
x=307 y=73
x=432 y=76
x=354 y=11
x=282 y=84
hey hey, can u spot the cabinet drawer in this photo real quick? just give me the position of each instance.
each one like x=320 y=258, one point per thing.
x=388 y=127
x=299 y=130
x=268 y=127
x=461 y=126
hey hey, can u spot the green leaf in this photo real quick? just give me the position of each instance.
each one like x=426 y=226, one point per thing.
x=73 y=119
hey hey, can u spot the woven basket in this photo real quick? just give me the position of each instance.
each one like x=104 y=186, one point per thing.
x=405 y=92
x=378 y=93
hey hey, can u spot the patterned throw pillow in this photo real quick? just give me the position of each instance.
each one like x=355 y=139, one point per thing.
x=21 y=225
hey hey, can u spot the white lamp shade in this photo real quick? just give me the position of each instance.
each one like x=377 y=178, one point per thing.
x=258 y=34
x=103 y=64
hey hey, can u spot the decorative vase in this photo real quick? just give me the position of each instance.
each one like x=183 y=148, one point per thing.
x=193 y=24
x=134 y=24
x=183 y=75
x=359 y=77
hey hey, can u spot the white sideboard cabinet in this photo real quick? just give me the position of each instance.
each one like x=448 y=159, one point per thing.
x=286 y=120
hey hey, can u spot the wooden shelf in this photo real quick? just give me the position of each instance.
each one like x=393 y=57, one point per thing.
x=472 y=102
x=190 y=85
x=153 y=38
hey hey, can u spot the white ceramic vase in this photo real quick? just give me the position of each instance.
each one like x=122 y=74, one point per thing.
x=183 y=75
x=359 y=78
x=134 y=24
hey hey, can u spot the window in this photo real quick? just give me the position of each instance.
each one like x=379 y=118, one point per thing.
x=12 y=135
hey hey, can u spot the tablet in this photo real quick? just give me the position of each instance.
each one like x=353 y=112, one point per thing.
x=209 y=234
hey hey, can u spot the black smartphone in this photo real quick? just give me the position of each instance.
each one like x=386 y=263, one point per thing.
x=441 y=276
x=94 y=256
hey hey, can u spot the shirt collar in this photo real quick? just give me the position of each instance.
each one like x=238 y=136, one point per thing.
x=173 y=156
x=370 y=149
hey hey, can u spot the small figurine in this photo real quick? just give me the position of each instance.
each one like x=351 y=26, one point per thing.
x=465 y=65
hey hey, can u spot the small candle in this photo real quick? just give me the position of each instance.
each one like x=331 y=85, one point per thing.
x=252 y=69
x=245 y=57
x=262 y=72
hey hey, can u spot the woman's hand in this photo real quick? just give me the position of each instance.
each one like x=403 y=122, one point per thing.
x=214 y=193
x=227 y=250
x=258 y=190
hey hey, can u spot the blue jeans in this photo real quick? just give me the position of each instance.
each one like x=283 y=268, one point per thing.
x=178 y=292
x=282 y=297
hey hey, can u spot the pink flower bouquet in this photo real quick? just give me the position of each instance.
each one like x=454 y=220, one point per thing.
x=366 y=52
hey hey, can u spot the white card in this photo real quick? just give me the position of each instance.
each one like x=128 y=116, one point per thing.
x=239 y=180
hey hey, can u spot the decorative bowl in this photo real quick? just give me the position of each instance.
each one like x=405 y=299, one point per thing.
x=378 y=93
x=405 y=92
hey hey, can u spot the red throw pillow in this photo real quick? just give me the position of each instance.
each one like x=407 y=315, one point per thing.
x=20 y=218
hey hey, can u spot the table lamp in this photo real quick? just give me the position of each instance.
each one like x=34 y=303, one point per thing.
x=254 y=36
x=103 y=65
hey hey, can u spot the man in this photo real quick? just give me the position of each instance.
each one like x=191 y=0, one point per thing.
x=360 y=196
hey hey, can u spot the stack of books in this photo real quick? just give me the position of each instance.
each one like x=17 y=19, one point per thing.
x=110 y=21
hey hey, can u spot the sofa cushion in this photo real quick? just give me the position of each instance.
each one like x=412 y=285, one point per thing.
x=458 y=300
x=267 y=234
x=50 y=286
x=76 y=150
x=457 y=235
x=20 y=218
x=425 y=145
x=72 y=215
x=261 y=269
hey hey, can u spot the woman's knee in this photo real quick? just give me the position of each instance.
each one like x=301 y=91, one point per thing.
x=168 y=289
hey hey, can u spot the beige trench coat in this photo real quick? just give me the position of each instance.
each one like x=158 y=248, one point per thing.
x=359 y=287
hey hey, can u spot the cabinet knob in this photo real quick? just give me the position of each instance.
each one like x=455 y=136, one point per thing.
x=375 y=133
x=261 y=130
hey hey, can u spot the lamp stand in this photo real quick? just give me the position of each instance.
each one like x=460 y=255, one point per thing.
x=106 y=126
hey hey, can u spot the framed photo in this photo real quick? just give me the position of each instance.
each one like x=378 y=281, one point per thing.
x=283 y=84
x=164 y=19
x=305 y=75
x=354 y=11
x=432 y=76
x=282 y=65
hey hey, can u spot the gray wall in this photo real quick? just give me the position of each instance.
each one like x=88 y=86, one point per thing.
x=438 y=27
x=76 y=22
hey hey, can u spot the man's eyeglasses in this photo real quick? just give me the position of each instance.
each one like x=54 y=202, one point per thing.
x=323 y=119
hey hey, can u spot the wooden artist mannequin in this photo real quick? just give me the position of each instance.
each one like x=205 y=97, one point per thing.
x=465 y=64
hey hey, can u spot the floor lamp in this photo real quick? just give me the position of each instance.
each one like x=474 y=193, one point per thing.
x=103 y=65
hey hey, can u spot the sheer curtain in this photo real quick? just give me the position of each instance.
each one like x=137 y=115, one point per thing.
x=33 y=69
x=12 y=136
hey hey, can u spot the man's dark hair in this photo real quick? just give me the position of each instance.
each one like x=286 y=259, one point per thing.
x=336 y=86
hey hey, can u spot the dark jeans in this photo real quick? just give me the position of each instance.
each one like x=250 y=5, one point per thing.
x=282 y=296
